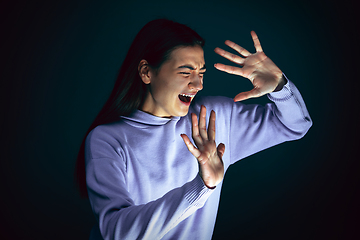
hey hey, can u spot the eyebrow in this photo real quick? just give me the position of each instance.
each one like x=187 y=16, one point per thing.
x=191 y=68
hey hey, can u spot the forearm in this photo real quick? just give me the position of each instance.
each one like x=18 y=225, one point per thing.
x=120 y=218
x=291 y=109
x=256 y=127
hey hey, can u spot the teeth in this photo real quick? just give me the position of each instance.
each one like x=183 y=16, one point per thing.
x=185 y=95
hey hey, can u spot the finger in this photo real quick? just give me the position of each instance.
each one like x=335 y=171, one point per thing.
x=255 y=92
x=238 y=48
x=192 y=149
x=201 y=157
x=256 y=42
x=202 y=123
x=195 y=130
x=232 y=57
x=211 y=127
x=221 y=150
x=229 y=69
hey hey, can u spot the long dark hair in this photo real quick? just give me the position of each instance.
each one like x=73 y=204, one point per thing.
x=154 y=43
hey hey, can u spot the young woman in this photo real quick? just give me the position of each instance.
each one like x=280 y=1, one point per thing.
x=143 y=182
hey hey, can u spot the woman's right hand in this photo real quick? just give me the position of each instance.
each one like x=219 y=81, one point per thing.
x=211 y=167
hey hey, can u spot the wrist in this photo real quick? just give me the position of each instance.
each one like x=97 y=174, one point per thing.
x=209 y=186
x=281 y=83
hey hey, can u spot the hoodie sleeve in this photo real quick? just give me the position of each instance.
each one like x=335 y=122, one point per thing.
x=256 y=127
x=117 y=214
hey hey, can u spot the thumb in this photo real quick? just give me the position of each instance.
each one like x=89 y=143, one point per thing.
x=221 y=150
x=255 y=92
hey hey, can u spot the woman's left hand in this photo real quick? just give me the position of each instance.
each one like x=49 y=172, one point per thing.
x=258 y=68
x=211 y=166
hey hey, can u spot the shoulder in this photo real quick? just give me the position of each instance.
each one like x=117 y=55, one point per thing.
x=219 y=104
x=105 y=131
x=104 y=138
x=213 y=101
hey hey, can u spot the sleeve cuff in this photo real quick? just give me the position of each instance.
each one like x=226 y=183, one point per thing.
x=282 y=95
x=197 y=192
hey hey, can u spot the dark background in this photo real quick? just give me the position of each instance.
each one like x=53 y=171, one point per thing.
x=59 y=60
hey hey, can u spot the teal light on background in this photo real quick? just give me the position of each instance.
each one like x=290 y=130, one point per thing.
x=62 y=58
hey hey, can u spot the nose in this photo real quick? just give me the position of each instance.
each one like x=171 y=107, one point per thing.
x=196 y=83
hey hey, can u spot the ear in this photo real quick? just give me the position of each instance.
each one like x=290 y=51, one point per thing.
x=144 y=71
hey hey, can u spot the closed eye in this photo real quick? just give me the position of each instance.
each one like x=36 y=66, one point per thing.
x=188 y=74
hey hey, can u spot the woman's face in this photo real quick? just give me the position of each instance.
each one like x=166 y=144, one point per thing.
x=175 y=85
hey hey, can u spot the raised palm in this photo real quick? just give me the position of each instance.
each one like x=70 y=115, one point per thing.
x=211 y=167
x=258 y=68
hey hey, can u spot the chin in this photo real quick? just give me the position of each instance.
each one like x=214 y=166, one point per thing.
x=181 y=113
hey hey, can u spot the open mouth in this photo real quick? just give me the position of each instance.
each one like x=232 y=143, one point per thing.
x=185 y=98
